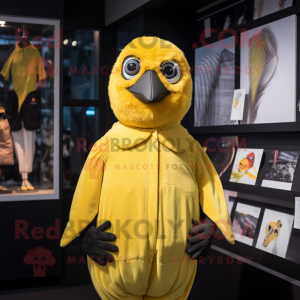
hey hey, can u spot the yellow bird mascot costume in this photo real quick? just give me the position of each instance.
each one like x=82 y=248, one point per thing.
x=148 y=180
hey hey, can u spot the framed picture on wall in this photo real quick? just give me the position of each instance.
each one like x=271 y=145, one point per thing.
x=265 y=7
x=275 y=232
x=214 y=83
x=268 y=64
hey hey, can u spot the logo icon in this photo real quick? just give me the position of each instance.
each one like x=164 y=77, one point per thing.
x=39 y=258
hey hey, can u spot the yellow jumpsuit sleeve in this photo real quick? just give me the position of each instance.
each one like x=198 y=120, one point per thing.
x=85 y=204
x=212 y=198
x=6 y=69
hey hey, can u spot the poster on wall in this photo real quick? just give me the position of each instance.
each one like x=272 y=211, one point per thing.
x=245 y=223
x=275 y=232
x=265 y=7
x=246 y=166
x=214 y=83
x=268 y=72
x=281 y=170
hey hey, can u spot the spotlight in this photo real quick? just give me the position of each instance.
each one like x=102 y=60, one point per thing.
x=66 y=41
x=2 y=23
x=74 y=43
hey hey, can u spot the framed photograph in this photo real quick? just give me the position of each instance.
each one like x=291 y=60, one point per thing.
x=245 y=223
x=246 y=166
x=275 y=232
x=265 y=7
x=214 y=83
x=268 y=64
x=281 y=169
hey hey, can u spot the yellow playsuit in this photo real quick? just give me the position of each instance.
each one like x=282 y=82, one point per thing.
x=150 y=184
x=148 y=177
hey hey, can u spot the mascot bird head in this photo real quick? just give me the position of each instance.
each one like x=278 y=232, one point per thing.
x=150 y=85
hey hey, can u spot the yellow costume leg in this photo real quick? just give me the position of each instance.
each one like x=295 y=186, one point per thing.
x=120 y=279
x=172 y=281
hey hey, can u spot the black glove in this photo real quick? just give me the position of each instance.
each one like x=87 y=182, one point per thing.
x=202 y=236
x=95 y=244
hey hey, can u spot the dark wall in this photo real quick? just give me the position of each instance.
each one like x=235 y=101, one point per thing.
x=30 y=226
x=33 y=8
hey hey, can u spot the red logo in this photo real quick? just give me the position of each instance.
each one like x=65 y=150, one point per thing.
x=39 y=258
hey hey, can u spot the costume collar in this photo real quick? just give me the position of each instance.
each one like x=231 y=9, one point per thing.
x=175 y=138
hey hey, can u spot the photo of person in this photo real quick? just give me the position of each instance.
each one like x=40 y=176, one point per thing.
x=275 y=232
x=265 y=7
x=245 y=223
x=268 y=62
x=214 y=83
x=281 y=170
x=246 y=166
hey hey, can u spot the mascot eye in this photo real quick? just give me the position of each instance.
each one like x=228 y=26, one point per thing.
x=269 y=227
x=131 y=67
x=276 y=232
x=171 y=71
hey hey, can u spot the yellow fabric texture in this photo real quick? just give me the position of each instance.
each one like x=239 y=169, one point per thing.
x=148 y=181
x=150 y=188
x=24 y=64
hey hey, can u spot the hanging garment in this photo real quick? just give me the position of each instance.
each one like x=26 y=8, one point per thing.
x=6 y=145
x=24 y=64
x=29 y=115
x=24 y=144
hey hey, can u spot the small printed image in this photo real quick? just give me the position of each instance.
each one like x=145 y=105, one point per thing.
x=275 y=232
x=281 y=170
x=246 y=166
x=265 y=7
x=238 y=104
x=221 y=151
x=245 y=223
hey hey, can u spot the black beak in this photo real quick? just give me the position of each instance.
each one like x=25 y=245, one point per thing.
x=149 y=88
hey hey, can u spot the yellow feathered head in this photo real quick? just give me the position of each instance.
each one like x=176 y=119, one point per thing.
x=150 y=85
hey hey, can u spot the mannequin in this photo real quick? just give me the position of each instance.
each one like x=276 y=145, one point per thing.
x=25 y=64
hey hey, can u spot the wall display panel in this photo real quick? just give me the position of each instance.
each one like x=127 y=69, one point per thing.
x=245 y=223
x=275 y=232
x=281 y=170
x=214 y=83
x=29 y=84
x=246 y=166
x=268 y=65
x=265 y=7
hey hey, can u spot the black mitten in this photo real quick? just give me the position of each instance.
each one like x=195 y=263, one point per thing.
x=202 y=236
x=95 y=244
